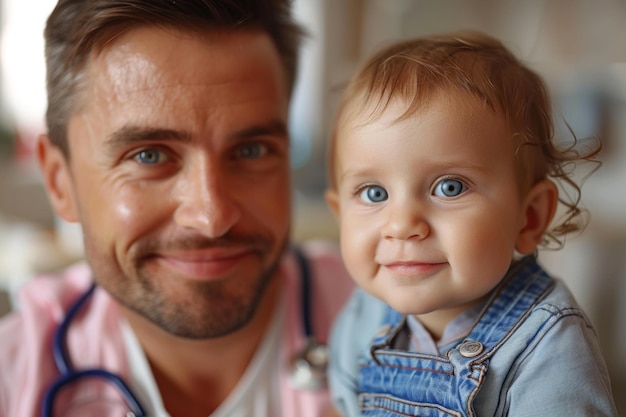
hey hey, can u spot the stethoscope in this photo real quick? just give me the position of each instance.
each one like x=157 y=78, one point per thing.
x=70 y=375
x=307 y=368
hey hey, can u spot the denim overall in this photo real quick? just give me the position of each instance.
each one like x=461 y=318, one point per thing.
x=401 y=383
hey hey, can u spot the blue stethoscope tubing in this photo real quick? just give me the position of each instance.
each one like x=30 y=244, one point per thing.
x=305 y=293
x=69 y=374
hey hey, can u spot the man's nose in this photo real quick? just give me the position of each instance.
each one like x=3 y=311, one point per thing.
x=405 y=220
x=206 y=202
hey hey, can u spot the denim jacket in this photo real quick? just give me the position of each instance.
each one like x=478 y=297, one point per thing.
x=532 y=352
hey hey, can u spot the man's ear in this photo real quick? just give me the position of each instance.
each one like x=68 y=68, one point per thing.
x=539 y=208
x=332 y=199
x=57 y=179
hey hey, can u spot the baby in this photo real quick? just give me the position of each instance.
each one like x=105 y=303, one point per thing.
x=442 y=171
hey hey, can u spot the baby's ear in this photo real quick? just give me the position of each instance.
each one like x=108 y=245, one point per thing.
x=332 y=199
x=57 y=179
x=539 y=208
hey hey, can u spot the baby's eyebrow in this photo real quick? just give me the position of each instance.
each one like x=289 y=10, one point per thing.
x=463 y=164
x=369 y=171
x=364 y=172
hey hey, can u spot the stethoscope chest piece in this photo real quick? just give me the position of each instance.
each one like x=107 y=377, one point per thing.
x=308 y=368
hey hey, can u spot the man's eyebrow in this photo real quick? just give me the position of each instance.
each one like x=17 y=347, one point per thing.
x=129 y=135
x=273 y=128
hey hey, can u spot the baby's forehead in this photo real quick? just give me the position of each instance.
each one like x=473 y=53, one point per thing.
x=458 y=113
x=366 y=108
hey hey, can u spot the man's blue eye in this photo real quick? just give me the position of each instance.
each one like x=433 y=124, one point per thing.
x=149 y=156
x=251 y=150
x=373 y=194
x=449 y=188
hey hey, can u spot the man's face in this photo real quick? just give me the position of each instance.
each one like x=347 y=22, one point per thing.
x=180 y=174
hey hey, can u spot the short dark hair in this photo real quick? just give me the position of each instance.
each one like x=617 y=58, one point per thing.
x=75 y=28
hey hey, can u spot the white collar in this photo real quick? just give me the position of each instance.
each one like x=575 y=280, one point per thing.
x=252 y=392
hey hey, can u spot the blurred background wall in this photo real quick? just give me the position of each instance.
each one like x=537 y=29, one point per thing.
x=578 y=46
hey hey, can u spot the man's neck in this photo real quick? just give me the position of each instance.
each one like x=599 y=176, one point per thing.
x=200 y=374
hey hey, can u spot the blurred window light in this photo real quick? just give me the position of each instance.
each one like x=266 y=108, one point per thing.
x=305 y=121
x=22 y=64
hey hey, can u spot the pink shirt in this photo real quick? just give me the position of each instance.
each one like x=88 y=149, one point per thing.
x=95 y=338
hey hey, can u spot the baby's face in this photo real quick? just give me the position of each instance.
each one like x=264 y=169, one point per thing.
x=429 y=207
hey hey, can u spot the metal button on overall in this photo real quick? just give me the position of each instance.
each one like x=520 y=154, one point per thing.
x=470 y=349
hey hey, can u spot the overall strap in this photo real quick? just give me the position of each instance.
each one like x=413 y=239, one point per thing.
x=524 y=286
x=392 y=323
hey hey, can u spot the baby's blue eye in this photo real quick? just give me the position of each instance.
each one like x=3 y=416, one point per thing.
x=373 y=194
x=449 y=188
x=149 y=156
